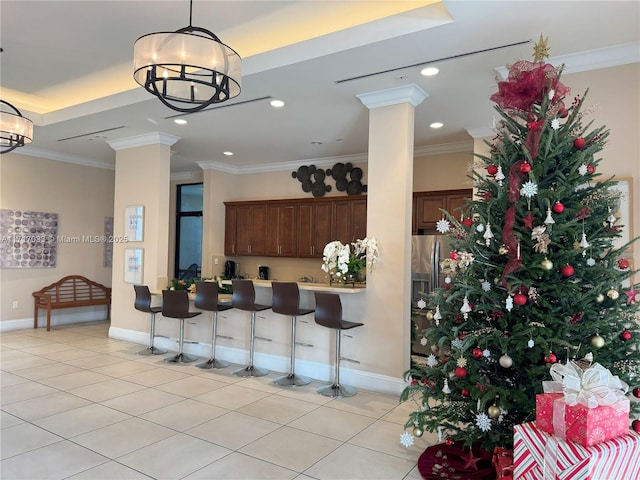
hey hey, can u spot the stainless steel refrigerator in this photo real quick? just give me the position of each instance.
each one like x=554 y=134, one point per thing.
x=426 y=274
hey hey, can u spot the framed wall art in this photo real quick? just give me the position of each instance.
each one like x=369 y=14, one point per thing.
x=28 y=239
x=133 y=265
x=134 y=223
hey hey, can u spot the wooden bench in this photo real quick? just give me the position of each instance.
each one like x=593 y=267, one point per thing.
x=70 y=292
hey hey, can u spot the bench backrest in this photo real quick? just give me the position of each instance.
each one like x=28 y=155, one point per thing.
x=75 y=288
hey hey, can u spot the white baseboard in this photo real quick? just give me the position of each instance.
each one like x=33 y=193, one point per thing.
x=318 y=371
x=57 y=318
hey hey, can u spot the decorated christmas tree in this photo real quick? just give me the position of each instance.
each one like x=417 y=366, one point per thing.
x=533 y=277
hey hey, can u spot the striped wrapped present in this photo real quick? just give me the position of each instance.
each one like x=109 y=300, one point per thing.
x=540 y=456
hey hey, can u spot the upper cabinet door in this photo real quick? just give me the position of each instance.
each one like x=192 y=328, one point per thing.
x=349 y=219
x=428 y=206
x=281 y=230
x=251 y=223
x=314 y=228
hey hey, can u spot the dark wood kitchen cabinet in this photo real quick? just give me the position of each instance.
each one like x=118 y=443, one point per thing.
x=251 y=223
x=293 y=227
x=281 y=230
x=314 y=228
x=349 y=220
x=427 y=207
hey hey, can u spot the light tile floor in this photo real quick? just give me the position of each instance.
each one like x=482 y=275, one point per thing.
x=78 y=405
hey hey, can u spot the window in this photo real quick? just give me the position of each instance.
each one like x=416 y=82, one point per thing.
x=188 y=231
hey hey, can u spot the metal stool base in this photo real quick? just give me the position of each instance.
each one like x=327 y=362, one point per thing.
x=336 y=391
x=151 y=351
x=213 y=363
x=250 y=371
x=181 y=358
x=292 y=380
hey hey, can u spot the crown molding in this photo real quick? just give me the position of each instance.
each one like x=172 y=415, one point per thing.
x=153 y=138
x=60 y=157
x=591 y=59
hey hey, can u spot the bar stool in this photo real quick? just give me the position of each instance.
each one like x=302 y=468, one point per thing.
x=329 y=314
x=286 y=301
x=244 y=298
x=175 y=304
x=143 y=304
x=207 y=299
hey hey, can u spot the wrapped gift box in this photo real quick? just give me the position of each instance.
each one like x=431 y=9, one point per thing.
x=577 y=423
x=540 y=456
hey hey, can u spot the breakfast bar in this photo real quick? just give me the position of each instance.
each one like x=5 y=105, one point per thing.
x=315 y=344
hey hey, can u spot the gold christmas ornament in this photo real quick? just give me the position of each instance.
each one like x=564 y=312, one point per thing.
x=494 y=411
x=613 y=294
x=546 y=264
x=541 y=49
x=597 y=341
x=417 y=431
x=429 y=315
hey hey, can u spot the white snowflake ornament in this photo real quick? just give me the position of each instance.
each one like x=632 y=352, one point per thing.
x=421 y=304
x=509 y=303
x=447 y=279
x=432 y=361
x=582 y=169
x=486 y=286
x=486 y=353
x=423 y=341
x=531 y=343
x=461 y=362
x=483 y=422
x=555 y=124
x=529 y=189
x=456 y=343
x=480 y=228
x=406 y=439
x=591 y=262
x=443 y=225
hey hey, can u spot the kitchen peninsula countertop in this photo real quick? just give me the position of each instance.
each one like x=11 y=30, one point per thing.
x=315 y=287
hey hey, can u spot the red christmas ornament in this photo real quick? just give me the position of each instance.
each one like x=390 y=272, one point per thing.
x=453 y=255
x=551 y=358
x=623 y=263
x=477 y=353
x=626 y=336
x=636 y=392
x=467 y=222
x=579 y=143
x=462 y=335
x=636 y=426
x=492 y=170
x=520 y=299
x=591 y=169
x=461 y=372
x=525 y=167
x=557 y=207
x=465 y=392
x=567 y=270
x=563 y=112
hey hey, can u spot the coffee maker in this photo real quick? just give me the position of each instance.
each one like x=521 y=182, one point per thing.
x=230 y=269
x=263 y=272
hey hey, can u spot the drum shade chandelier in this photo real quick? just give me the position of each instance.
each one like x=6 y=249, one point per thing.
x=188 y=69
x=15 y=130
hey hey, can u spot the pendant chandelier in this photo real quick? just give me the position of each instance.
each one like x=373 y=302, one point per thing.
x=188 y=69
x=15 y=130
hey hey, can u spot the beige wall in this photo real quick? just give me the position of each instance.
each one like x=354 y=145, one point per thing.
x=82 y=197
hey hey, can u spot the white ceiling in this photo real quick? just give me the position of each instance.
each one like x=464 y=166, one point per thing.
x=67 y=65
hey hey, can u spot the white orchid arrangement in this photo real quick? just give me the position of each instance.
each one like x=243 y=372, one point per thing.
x=339 y=258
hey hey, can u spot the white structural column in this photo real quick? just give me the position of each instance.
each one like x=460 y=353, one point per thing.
x=142 y=179
x=389 y=212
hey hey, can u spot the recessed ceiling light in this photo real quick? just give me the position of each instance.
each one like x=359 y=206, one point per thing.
x=316 y=142
x=436 y=125
x=228 y=154
x=180 y=121
x=277 y=103
x=429 y=71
